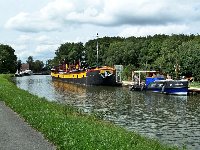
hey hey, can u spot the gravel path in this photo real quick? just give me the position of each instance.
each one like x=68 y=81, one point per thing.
x=15 y=134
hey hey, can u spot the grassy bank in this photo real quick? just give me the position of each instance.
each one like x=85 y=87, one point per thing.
x=69 y=129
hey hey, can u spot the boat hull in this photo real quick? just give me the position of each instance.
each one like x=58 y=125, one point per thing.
x=171 y=87
x=86 y=78
x=176 y=91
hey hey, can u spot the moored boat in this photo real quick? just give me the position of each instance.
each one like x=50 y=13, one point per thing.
x=90 y=76
x=160 y=85
x=19 y=74
x=174 y=87
x=140 y=85
x=156 y=86
x=27 y=72
x=80 y=73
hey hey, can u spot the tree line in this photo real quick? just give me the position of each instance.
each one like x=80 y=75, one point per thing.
x=169 y=54
x=37 y=66
x=10 y=64
x=159 y=52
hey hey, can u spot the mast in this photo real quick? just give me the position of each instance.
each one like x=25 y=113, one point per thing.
x=97 y=51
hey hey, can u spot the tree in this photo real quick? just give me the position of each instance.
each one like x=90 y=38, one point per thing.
x=30 y=61
x=69 y=52
x=8 y=60
x=103 y=48
x=19 y=65
x=190 y=60
x=38 y=66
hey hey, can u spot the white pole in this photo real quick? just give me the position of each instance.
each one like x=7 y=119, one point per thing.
x=139 y=78
x=97 y=50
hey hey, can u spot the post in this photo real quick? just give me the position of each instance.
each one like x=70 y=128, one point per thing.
x=97 y=50
x=139 y=78
x=177 y=68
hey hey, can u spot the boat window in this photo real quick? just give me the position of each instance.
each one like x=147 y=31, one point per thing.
x=77 y=76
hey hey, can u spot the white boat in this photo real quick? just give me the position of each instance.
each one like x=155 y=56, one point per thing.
x=19 y=74
x=27 y=72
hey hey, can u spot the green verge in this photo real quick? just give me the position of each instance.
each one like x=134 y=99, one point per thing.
x=68 y=128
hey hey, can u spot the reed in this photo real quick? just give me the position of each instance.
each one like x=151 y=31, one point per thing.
x=69 y=128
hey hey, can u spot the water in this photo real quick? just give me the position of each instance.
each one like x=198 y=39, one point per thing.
x=171 y=119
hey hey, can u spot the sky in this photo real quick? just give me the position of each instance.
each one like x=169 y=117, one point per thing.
x=37 y=28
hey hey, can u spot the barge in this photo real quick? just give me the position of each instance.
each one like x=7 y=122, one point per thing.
x=87 y=76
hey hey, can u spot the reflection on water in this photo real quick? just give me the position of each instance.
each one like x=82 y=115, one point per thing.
x=171 y=119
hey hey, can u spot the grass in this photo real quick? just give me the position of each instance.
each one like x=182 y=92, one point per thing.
x=194 y=84
x=70 y=129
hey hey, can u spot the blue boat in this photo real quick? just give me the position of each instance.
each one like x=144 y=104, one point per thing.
x=140 y=85
x=176 y=87
x=156 y=86
x=160 y=85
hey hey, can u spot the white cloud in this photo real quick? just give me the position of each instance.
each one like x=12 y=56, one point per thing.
x=45 y=27
x=24 y=39
x=27 y=22
x=152 y=30
x=64 y=13
x=39 y=46
x=45 y=48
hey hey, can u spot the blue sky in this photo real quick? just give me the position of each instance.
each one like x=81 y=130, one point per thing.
x=37 y=28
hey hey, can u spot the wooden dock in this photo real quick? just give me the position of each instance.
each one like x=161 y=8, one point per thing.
x=193 y=90
x=127 y=83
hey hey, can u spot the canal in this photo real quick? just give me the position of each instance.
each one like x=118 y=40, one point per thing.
x=171 y=119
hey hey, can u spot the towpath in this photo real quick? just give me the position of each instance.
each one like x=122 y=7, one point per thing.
x=15 y=134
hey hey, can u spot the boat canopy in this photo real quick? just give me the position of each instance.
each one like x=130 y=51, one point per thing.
x=149 y=78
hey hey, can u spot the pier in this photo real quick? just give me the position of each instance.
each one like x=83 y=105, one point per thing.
x=193 y=90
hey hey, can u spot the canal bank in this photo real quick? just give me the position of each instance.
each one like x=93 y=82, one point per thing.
x=68 y=128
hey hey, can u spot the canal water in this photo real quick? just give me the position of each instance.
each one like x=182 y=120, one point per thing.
x=171 y=119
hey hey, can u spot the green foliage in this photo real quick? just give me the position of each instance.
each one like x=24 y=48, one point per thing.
x=103 y=46
x=8 y=60
x=69 y=52
x=127 y=73
x=190 y=60
x=19 y=65
x=69 y=129
x=36 y=66
x=30 y=61
x=194 y=84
